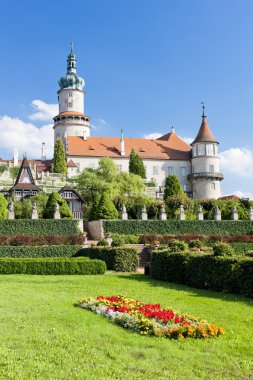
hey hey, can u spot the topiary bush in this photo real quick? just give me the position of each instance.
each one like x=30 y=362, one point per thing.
x=39 y=227
x=195 y=243
x=103 y=243
x=54 y=199
x=42 y=251
x=223 y=249
x=118 y=259
x=177 y=246
x=42 y=266
x=118 y=241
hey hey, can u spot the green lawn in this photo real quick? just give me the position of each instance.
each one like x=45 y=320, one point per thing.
x=42 y=336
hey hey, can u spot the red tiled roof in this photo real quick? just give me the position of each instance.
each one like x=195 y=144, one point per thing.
x=229 y=197
x=71 y=164
x=26 y=186
x=205 y=134
x=169 y=148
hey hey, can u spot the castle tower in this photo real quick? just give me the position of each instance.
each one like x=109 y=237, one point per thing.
x=71 y=120
x=205 y=176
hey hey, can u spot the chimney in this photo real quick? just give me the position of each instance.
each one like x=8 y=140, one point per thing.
x=43 y=152
x=122 y=144
x=15 y=156
x=85 y=135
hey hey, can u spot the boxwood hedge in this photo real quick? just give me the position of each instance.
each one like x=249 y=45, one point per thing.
x=51 y=266
x=120 y=259
x=227 y=274
x=41 y=251
x=209 y=227
x=39 y=227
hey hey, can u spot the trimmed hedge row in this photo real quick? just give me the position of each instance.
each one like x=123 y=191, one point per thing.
x=210 y=227
x=20 y=239
x=42 y=251
x=164 y=239
x=39 y=227
x=119 y=259
x=79 y=266
x=226 y=274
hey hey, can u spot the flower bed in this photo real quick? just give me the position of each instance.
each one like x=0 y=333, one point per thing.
x=149 y=319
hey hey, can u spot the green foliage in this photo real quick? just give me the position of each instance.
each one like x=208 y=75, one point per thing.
x=172 y=186
x=46 y=266
x=14 y=171
x=59 y=163
x=173 y=203
x=107 y=178
x=136 y=165
x=118 y=241
x=118 y=259
x=226 y=274
x=39 y=227
x=23 y=207
x=223 y=249
x=53 y=199
x=3 y=207
x=226 y=208
x=41 y=251
x=127 y=239
x=3 y=168
x=241 y=248
x=93 y=214
x=103 y=243
x=106 y=208
x=163 y=227
x=30 y=240
x=177 y=246
x=195 y=243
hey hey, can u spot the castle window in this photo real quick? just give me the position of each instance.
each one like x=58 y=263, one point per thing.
x=209 y=150
x=183 y=172
x=215 y=149
x=155 y=170
x=170 y=170
x=119 y=168
x=213 y=186
x=70 y=104
x=201 y=149
x=186 y=187
x=70 y=94
x=211 y=168
x=194 y=151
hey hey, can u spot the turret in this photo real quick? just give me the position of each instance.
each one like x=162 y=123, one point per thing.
x=205 y=176
x=71 y=120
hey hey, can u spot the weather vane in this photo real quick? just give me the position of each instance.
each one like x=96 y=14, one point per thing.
x=203 y=106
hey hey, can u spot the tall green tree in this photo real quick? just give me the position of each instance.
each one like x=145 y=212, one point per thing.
x=3 y=207
x=106 y=208
x=59 y=164
x=172 y=186
x=53 y=199
x=136 y=165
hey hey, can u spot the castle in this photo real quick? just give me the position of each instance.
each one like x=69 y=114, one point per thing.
x=197 y=166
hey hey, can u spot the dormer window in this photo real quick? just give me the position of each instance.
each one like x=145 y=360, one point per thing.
x=70 y=95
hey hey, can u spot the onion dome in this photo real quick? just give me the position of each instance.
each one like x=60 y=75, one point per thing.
x=71 y=80
x=205 y=134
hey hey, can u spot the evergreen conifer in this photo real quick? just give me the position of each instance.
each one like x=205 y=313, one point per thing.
x=60 y=164
x=106 y=208
x=3 y=207
x=172 y=186
x=53 y=199
x=136 y=165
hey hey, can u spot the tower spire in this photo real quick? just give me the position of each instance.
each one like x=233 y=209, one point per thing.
x=203 y=107
x=71 y=62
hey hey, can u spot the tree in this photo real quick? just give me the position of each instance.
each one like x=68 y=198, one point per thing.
x=106 y=208
x=93 y=215
x=136 y=165
x=3 y=168
x=172 y=186
x=3 y=207
x=53 y=199
x=14 y=171
x=59 y=164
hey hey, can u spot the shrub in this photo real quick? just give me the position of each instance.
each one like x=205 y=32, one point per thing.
x=147 y=269
x=3 y=207
x=39 y=227
x=128 y=239
x=177 y=246
x=227 y=274
x=54 y=199
x=118 y=259
x=195 y=243
x=223 y=249
x=106 y=208
x=175 y=227
x=16 y=240
x=42 y=251
x=172 y=186
x=118 y=241
x=80 y=266
x=103 y=243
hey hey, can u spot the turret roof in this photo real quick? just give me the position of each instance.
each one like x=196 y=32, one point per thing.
x=205 y=134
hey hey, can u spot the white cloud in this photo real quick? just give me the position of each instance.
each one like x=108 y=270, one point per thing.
x=187 y=140
x=152 y=136
x=99 y=124
x=43 y=111
x=242 y=194
x=27 y=137
x=238 y=161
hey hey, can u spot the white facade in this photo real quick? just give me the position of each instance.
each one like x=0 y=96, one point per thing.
x=71 y=100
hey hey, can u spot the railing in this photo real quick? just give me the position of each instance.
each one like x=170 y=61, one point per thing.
x=214 y=175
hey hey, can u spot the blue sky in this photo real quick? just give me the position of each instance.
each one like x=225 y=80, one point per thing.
x=147 y=65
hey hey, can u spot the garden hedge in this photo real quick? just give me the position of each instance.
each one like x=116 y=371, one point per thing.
x=120 y=259
x=227 y=274
x=209 y=227
x=47 y=266
x=41 y=251
x=39 y=227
